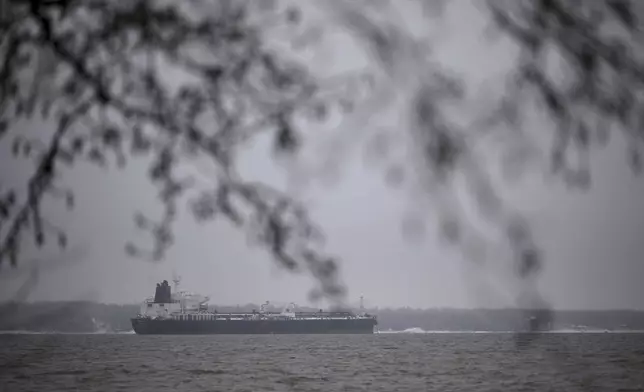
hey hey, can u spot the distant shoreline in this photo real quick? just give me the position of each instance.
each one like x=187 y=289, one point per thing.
x=92 y=317
x=562 y=332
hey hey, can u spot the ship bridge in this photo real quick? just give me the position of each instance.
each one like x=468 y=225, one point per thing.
x=167 y=302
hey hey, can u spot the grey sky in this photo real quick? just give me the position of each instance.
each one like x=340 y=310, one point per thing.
x=592 y=241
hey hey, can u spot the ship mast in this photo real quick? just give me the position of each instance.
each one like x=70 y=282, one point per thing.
x=176 y=279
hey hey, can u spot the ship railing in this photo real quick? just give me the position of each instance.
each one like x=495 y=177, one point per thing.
x=275 y=315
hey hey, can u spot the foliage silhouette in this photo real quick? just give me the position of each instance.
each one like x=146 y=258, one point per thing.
x=96 y=70
x=578 y=72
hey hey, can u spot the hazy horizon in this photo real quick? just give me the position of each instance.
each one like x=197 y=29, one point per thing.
x=372 y=307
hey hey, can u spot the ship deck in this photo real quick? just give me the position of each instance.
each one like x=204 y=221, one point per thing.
x=268 y=316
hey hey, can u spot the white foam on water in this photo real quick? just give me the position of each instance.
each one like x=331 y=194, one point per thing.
x=19 y=332
x=417 y=330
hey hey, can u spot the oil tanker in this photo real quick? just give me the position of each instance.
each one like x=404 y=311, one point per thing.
x=186 y=313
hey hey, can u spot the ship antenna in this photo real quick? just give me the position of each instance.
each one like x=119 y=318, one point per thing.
x=362 y=304
x=176 y=279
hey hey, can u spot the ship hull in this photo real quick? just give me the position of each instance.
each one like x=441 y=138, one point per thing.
x=147 y=326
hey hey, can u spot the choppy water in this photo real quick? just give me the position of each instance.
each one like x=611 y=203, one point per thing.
x=385 y=362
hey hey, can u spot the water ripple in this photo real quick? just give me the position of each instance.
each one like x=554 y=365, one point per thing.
x=387 y=362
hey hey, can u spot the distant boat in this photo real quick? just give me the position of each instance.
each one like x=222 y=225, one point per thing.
x=184 y=312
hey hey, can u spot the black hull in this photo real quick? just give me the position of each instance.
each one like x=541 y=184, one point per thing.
x=145 y=326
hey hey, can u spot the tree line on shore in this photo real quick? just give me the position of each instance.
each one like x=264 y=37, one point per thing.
x=97 y=317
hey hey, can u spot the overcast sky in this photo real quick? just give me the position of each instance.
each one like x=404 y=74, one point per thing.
x=592 y=241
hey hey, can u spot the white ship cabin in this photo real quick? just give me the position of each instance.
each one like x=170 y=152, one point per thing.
x=166 y=304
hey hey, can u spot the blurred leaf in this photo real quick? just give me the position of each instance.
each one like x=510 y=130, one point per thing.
x=69 y=200
x=62 y=240
x=78 y=143
x=286 y=140
x=65 y=156
x=4 y=128
x=141 y=221
x=140 y=143
x=4 y=210
x=635 y=160
x=204 y=207
x=623 y=10
x=131 y=250
x=96 y=156
x=40 y=238
x=450 y=229
x=320 y=112
x=395 y=175
x=293 y=15
x=111 y=137
x=529 y=263
x=23 y=60
x=10 y=198
x=162 y=166
x=71 y=88
x=26 y=148
x=15 y=147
